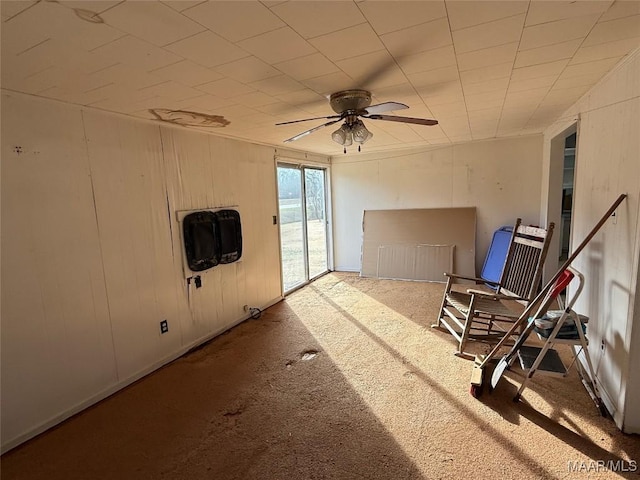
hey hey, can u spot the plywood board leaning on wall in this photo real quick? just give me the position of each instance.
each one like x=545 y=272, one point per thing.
x=454 y=228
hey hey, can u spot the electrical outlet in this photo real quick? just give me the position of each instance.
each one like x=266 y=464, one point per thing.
x=602 y=345
x=164 y=326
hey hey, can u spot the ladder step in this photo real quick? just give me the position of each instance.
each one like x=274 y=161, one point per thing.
x=551 y=363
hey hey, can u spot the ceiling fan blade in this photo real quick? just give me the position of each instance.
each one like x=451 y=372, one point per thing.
x=385 y=107
x=311 y=130
x=393 y=118
x=307 y=119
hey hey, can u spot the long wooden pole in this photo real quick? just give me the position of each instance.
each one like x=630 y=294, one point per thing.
x=525 y=315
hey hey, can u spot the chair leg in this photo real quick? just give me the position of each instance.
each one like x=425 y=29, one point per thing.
x=438 y=323
x=467 y=326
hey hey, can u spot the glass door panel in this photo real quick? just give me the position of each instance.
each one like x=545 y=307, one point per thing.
x=292 y=227
x=302 y=204
x=316 y=221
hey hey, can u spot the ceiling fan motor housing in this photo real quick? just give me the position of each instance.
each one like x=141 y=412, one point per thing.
x=350 y=101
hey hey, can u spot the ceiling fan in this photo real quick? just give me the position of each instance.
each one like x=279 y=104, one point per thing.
x=349 y=106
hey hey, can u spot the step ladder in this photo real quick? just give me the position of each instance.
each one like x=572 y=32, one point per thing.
x=560 y=327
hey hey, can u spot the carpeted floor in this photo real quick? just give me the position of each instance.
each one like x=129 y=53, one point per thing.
x=346 y=380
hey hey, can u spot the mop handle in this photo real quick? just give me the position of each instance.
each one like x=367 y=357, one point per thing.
x=551 y=282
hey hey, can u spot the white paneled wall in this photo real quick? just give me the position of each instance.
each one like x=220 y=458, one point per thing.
x=57 y=348
x=92 y=252
x=498 y=177
x=607 y=165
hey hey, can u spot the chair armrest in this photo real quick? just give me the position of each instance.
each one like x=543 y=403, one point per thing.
x=473 y=279
x=495 y=296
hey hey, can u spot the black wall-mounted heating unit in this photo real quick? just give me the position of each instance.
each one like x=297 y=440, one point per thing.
x=211 y=238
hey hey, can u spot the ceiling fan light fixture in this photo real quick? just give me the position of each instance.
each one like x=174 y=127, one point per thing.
x=343 y=135
x=360 y=132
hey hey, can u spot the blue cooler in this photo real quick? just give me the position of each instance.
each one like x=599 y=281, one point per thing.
x=493 y=264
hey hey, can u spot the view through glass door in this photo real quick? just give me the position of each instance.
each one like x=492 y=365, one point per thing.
x=303 y=223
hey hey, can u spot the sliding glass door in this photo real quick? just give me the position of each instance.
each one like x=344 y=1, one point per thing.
x=303 y=223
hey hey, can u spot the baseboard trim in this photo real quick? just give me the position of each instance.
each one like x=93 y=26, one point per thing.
x=52 y=422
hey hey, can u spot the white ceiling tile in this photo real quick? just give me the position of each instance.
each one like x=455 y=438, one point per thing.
x=314 y=18
x=207 y=49
x=488 y=116
x=43 y=80
x=547 y=54
x=485 y=100
x=487 y=56
x=532 y=83
x=235 y=112
x=307 y=100
x=545 y=115
x=428 y=60
x=386 y=17
x=310 y=66
x=53 y=53
x=208 y=103
x=15 y=69
x=420 y=38
x=557 y=32
x=601 y=51
x=464 y=14
x=121 y=73
x=396 y=93
x=187 y=72
x=247 y=70
x=577 y=81
x=492 y=72
x=402 y=132
x=255 y=99
x=486 y=86
x=11 y=9
x=373 y=70
x=516 y=115
x=81 y=83
x=613 y=30
x=278 y=45
x=489 y=34
x=173 y=91
x=225 y=88
x=434 y=77
x=442 y=94
x=450 y=109
x=545 y=11
x=151 y=21
x=278 y=108
x=129 y=74
x=621 y=9
x=564 y=96
x=278 y=85
x=32 y=27
x=62 y=23
x=596 y=67
x=235 y=20
x=137 y=53
x=328 y=84
x=542 y=70
x=349 y=42
x=524 y=98
x=180 y=5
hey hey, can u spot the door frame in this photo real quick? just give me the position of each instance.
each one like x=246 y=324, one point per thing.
x=297 y=164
